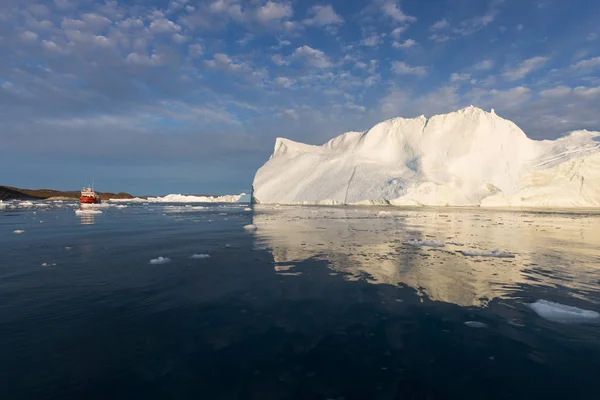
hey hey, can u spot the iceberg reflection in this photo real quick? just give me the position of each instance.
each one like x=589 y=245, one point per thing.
x=395 y=247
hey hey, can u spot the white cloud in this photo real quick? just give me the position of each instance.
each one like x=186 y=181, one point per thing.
x=52 y=47
x=392 y=10
x=223 y=62
x=441 y=24
x=273 y=12
x=592 y=36
x=525 y=68
x=590 y=63
x=402 y=68
x=70 y=23
x=279 y=60
x=398 y=31
x=587 y=92
x=164 y=25
x=439 y=38
x=558 y=91
x=144 y=60
x=404 y=45
x=284 y=82
x=291 y=114
x=29 y=36
x=456 y=77
x=62 y=4
x=96 y=21
x=195 y=50
x=484 y=65
x=373 y=40
x=314 y=57
x=323 y=15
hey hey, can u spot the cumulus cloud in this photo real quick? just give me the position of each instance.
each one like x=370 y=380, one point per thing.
x=404 y=45
x=401 y=68
x=152 y=60
x=284 y=81
x=313 y=57
x=525 y=68
x=484 y=65
x=393 y=11
x=456 y=77
x=588 y=64
x=323 y=15
x=441 y=24
x=397 y=32
x=558 y=91
x=374 y=39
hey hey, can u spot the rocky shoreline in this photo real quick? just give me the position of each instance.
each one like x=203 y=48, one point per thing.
x=12 y=193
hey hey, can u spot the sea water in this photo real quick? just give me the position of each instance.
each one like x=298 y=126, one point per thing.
x=223 y=301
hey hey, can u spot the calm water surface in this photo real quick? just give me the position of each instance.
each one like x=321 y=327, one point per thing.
x=317 y=303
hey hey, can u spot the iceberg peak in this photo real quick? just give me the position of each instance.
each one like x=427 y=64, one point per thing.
x=468 y=157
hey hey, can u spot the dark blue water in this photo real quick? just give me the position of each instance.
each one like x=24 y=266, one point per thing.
x=318 y=303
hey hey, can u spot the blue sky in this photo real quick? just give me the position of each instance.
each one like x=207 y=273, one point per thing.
x=156 y=97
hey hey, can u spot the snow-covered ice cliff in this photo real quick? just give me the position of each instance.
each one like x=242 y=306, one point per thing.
x=464 y=158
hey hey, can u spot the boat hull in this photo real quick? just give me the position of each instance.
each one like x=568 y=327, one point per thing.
x=89 y=200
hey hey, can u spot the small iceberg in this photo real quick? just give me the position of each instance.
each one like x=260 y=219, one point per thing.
x=563 y=314
x=475 y=324
x=18 y=231
x=493 y=253
x=250 y=228
x=160 y=260
x=429 y=243
x=199 y=256
x=88 y=211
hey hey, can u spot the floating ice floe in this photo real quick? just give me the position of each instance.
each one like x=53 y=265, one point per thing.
x=564 y=314
x=200 y=256
x=250 y=228
x=384 y=213
x=247 y=209
x=88 y=212
x=429 y=243
x=18 y=231
x=160 y=260
x=493 y=253
x=475 y=324
x=25 y=204
x=49 y=265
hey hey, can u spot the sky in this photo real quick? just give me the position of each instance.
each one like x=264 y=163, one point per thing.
x=187 y=96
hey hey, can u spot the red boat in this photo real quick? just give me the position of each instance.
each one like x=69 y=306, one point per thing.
x=88 y=196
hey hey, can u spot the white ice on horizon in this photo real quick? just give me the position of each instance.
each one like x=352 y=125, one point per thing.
x=250 y=228
x=564 y=314
x=19 y=231
x=429 y=243
x=200 y=256
x=475 y=324
x=88 y=212
x=181 y=198
x=493 y=253
x=465 y=158
x=160 y=260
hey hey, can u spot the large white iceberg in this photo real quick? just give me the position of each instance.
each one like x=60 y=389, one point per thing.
x=465 y=158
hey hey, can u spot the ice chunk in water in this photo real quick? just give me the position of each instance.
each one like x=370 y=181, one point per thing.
x=493 y=253
x=564 y=314
x=475 y=324
x=250 y=228
x=160 y=260
x=18 y=231
x=88 y=212
x=430 y=243
x=199 y=256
